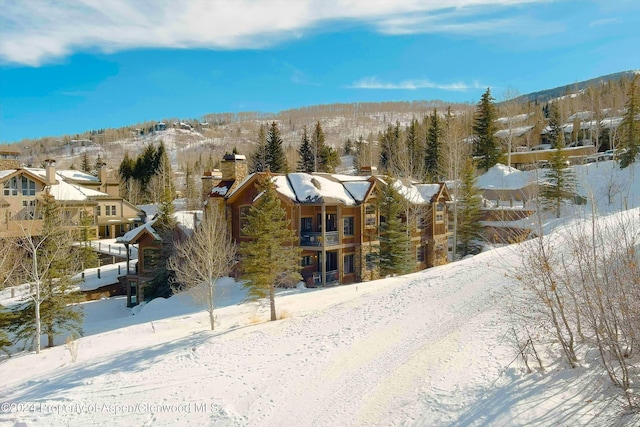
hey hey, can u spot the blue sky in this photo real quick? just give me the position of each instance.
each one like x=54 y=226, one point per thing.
x=75 y=65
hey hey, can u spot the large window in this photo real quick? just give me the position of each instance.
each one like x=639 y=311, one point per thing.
x=306 y=224
x=28 y=187
x=307 y=260
x=349 y=265
x=11 y=187
x=347 y=229
x=110 y=210
x=244 y=218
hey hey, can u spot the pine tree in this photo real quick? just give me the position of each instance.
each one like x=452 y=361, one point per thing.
x=433 y=149
x=559 y=183
x=389 y=146
x=486 y=145
x=394 y=242
x=88 y=257
x=556 y=131
x=629 y=128
x=306 y=158
x=271 y=258
x=469 y=215
x=415 y=149
x=360 y=155
x=85 y=166
x=326 y=157
x=258 y=158
x=7 y=318
x=275 y=158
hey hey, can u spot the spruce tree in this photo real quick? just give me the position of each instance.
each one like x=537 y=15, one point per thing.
x=433 y=149
x=275 y=158
x=559 y=183
x=389 y=146
x=85 y=166
x=629 y=128
x=272 y=256
x=486 y=145
x=258 y=158
x=306 y=159
x=7 y=318
x=556 y=131
x=394 y=257
x=469 y=215
x=414 y=149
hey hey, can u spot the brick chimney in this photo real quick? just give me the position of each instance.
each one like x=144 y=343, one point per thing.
x=50 y=171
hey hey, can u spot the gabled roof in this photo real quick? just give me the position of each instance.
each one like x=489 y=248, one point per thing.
x=132 y=236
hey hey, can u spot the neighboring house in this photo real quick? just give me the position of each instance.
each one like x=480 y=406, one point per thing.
x=336 y=218
x=77 y=193
x=149 y=247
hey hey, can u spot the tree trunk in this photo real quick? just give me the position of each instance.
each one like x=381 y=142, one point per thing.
x=210 y=305
x=38 y=330
x=272 y=301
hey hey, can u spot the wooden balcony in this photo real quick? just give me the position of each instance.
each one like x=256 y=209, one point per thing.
x=315 y=239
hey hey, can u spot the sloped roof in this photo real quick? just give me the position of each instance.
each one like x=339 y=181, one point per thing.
x=75 y=175
x=133 y=235
x=309 y=188
x=503 y=178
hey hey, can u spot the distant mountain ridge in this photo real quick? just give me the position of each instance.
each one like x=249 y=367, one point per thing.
x=543 y=96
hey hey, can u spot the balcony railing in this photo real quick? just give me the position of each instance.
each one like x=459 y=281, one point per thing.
x=331 y=277
x=315 y=239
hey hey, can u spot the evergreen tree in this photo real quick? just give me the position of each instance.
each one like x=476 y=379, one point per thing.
x=272 y=256
x=258 y=158
x=88 y=256
x=275 y=158
x=559 y=183
x=326 y=157
x=360 y=154
x=414 y=149
x=469 y=215
x=394 y=255
x=190 y=191
x=389 y=146
x=7 y=318
x=49 y=264
x=486 y=145
x=556 y=131
x=629 y=128
x=97 y=166
x=348 y=147
x=433 y=150
x=306 y=160
x=167 y=227
x=85 y=166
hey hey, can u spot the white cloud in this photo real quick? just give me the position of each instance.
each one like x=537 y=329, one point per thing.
x=375 y=83
x=36 y=31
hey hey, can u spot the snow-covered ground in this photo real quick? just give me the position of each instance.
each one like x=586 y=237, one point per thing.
x=432 y=348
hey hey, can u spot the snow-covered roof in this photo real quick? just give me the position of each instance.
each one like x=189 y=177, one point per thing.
x=501 y=177
x=187 y=220
x=317 y=189
x=64 y=191
x=515 y=132
x=581 y=115
x=358 y=189
x=416 y=193
x=132 y=234
x=77 y=175
x=513 y=119
x=6 y=173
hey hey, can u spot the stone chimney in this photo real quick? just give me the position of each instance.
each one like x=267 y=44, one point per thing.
x=50 y=171
x=102 y=173
x=234 y=167
x=210 y=180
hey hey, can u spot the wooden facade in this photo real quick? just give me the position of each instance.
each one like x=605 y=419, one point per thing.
x=339 y=238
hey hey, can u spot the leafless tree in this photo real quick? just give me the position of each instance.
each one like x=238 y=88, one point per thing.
x=201 y=259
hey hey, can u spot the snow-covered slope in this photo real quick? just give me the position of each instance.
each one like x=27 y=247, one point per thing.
x=429 y=348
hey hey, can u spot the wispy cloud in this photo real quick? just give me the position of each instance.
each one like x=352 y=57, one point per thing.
x=375 y=83
x=602 y=22
x=37 y=31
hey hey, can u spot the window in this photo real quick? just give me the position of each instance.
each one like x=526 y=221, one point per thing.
x=332 y=222
x=29 y=208
x=109 y=210
x=305 y=224
x=307 y=260
x=370 y=215
x=421 y=221
x=347 y=228
x=98 y=211
x=113 y=210
x=150 y=258
x=244 y=218
x=349 y=266
x=440 y=212
x=11 y=187
x=28 y=187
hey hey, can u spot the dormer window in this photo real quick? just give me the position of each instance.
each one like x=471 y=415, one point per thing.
x=28 y=187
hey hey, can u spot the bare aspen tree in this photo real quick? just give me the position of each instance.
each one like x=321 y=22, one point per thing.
x=201 y=259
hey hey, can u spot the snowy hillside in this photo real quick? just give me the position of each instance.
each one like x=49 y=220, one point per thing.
x=434 y=348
